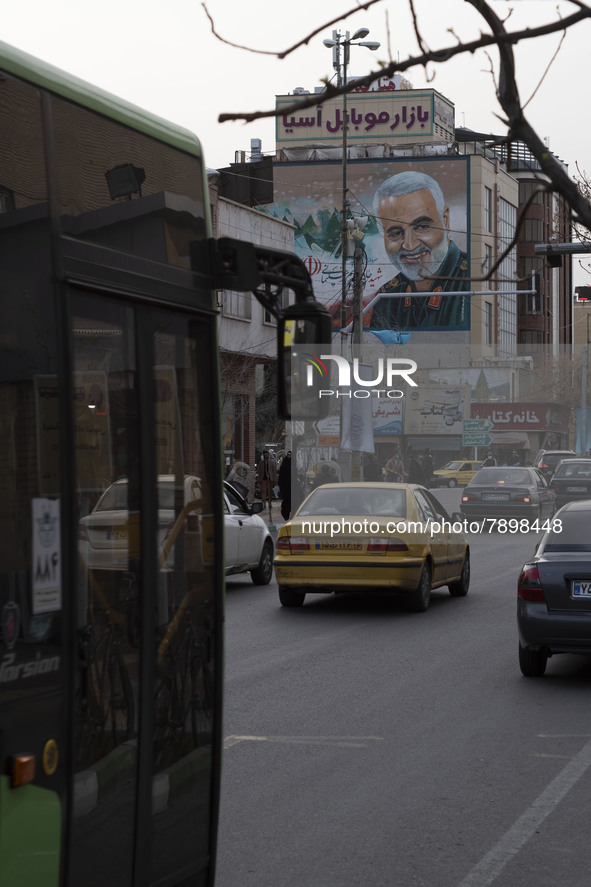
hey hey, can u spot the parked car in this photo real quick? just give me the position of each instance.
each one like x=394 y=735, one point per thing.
x=572 y=480
x=456 y=473
x=508 y=492
x=554 y=591
x=248 y=545
x=371 y=536
x=547 y=460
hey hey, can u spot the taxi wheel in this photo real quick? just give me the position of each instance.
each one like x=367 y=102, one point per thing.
x=452 y=482
x=418 y=601
x=291 y=597
x=460 y=588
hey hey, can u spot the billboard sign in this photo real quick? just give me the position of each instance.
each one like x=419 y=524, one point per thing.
x=399 y=115
x=416 y=242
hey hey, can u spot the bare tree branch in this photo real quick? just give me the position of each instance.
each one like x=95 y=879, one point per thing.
x=548 y=66
x=519 y=128
x=302 y=42
x=439 y=56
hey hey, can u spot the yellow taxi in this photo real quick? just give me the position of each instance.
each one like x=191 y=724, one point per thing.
x=455 y=474
x=371 y=537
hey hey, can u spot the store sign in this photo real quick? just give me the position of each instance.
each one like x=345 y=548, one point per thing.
x=385 y=115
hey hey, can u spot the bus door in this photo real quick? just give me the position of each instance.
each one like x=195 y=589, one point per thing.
x=33 y=731
x=147 y=478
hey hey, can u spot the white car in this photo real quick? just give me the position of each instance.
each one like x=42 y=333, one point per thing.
x=103 y=535
x=248 y=546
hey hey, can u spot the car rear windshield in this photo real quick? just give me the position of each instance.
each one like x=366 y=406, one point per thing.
x=570 y=531
x=555 y=458
x=347 y=501
x=491 y=476
x=574 y=469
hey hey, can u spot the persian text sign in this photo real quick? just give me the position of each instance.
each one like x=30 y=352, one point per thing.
x=523 y=416
x=381 y=115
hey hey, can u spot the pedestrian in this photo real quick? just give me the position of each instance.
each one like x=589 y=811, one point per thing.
x=427 y=467
x=371 y=469
x=394 y=469
x=415 y=470
x=490 y=461
x=323 y=475
x=515 y=458
x=284 y=481
x=267 y=479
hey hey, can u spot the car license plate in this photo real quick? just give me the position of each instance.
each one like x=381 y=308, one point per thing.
x=496 y=497
x=339 y=546
x=576 y=489
x=581 y=588
x=117 y=535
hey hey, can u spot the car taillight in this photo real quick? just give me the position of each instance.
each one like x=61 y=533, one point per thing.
x=292 y=543
x=543 y=465
x=529 y=586
x=381 y=543
x=378 y=543
x=525 y=499
x=397 y=545
x=467 y=498
x=82 y=533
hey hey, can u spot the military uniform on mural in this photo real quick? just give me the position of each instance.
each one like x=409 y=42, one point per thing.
x=429 y=310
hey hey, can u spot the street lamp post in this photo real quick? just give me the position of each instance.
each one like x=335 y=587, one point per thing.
x=343 y=42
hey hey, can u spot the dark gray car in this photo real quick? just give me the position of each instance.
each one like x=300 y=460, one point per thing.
x=572 y=480
x=547 y=460
x=554 y=591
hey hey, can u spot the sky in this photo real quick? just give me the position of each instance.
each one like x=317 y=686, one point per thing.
x=162 y=55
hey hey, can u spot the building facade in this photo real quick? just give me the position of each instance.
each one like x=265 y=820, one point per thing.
x=247 y=333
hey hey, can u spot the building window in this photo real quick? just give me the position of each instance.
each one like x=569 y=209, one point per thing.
x=526 y=189
x=531 y=337
x=235 y=304
x=532 y=231
x=488 y=323
x=283 y=302
x=507 y=275
x=487 y=209
x=488 y=263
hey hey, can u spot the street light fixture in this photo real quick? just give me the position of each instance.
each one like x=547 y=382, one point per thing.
x=340 y=44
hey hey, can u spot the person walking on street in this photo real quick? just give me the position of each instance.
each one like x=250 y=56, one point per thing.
x=427 y=467
x=267 y=478
x=285 y=485
x=394 y=469
x=490 y=461
x=415 y=470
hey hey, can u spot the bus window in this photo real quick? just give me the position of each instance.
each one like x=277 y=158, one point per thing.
x=126 y=191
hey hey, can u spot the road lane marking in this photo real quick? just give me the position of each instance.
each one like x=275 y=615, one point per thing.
x=490 y=866
x=340 y=741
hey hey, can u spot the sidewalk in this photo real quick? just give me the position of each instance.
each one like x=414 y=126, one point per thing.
x=273 y=520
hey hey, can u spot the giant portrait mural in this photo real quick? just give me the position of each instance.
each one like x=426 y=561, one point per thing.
x=412 y=218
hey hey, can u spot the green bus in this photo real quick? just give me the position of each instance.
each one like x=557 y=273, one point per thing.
x=111 y=642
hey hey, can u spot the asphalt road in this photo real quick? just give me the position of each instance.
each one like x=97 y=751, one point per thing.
x=370 y=746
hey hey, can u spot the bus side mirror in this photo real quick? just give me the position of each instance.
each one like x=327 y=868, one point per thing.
x=303 y=330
